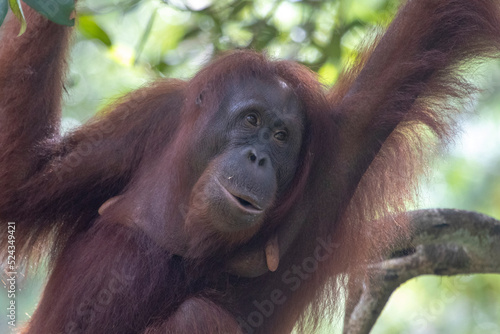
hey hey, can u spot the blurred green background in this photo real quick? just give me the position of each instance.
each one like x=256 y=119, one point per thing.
x=122 y=44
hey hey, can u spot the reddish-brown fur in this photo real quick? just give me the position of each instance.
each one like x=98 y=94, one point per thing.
x=363 y=150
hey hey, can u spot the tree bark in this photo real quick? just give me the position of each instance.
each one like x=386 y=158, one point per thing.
x=443 y=242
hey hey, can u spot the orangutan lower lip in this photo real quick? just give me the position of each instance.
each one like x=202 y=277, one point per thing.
x=244 y=203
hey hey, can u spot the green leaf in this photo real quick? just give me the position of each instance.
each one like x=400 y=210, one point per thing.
x=58 y=11
x=4 y=7
x=15 y=5
x=90 y=29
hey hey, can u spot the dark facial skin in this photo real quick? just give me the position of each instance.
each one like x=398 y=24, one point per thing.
x=253 y=144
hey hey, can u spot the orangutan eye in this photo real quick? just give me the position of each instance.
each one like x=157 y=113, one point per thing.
x=281 y=135
x=252 y=119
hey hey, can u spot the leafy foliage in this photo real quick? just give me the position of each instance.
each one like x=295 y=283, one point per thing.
x=56 y=11
x=15 y=6
x=320 y=34
x=4 y=7
x=91 y=30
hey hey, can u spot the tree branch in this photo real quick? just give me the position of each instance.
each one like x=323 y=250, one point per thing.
x=443 y=242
